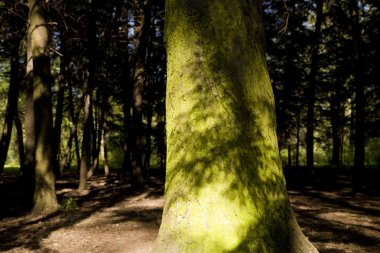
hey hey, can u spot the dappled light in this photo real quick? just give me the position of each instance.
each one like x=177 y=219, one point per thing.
x=170 y=126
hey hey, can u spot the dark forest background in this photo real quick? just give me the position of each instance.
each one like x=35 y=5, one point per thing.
x=322 y=55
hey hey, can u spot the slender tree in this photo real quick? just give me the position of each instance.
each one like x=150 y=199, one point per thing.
x=359 y=136
x=137 y=172
x=12 y=104
x=225 y=191
x=44 y=193
x=87 y=90
x=313 y=86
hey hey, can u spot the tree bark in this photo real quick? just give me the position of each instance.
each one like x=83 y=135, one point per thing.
x=44 y=194
x=224 y=190
x=28 y=172
x=312 y=87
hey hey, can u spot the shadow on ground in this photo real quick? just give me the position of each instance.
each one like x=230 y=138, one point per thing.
x=335 y=219
x=20 y=230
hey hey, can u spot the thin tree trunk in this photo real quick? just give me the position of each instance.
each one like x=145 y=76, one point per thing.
x=298 y=138
x=74 y=120
x=85 y=142
x=137 y=170
x=127 y=130
x=335 y=119
x=88 y=89
x=103 y=109
x=11 y=108
x=104 y=149
x=59 y=108
x=312 y=87
x=20 y=142
x=359 y=137
x=289 y=155
x=94 y=133
x=148 y=135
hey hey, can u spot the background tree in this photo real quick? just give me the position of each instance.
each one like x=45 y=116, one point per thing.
x=11 y=111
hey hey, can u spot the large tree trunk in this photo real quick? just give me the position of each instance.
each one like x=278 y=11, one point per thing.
x=11 y=108
x=44 y=193
x=312 y=87
x=225 y=190
x=28 y=169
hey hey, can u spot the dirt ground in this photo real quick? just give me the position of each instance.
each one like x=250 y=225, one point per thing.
x=110 y=218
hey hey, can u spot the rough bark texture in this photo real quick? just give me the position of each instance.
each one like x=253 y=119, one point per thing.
x=44 y=193
x=28 y=169
x=225 y=191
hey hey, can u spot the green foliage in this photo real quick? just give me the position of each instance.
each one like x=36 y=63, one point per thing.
x=68 y=204
x=12 y=168
x=373 y=152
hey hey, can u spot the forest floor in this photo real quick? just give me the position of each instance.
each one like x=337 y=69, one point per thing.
x=112 y=218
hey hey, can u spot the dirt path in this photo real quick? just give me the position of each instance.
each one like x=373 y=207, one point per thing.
x=333 y=218
x=108 y=219
x=111 y=219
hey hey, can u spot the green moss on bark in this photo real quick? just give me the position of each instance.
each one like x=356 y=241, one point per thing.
x=224 y=190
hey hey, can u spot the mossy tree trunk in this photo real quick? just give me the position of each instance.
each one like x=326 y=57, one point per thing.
x=225 y=191
x=44 y=193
